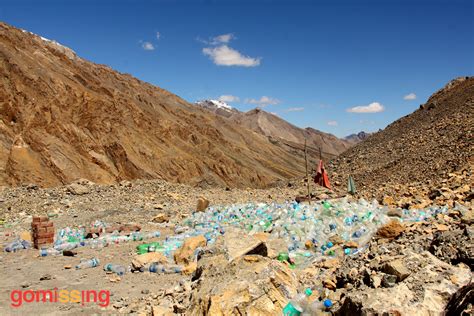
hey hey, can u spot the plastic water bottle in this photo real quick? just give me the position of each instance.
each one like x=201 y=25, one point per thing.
x=91 y=263
x=117 y=268
x=165 y=269
x=49 y=252
x=298 y=304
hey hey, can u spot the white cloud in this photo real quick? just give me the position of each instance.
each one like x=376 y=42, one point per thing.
x=410 y=96
x=224 y=38
x=263 y=101
x=332 y=123
x=226 y=56
x=217 y=40
x=148 y=46
x=373 y=107
x=294 y=109
x=229 y=98
x=158 y=35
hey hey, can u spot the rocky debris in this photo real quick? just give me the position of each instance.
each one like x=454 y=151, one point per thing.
x=202 y=204
x=185 y=254
x=242 y=287
x=454 y=246
x=425 y=291
x=392 y=229
x=238 y=244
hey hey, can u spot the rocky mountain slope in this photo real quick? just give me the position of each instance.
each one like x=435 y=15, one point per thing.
x=64 y=118
x=420 y=150
x=280 y=131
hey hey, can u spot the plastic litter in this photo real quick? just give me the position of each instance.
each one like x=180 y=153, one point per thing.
x=165 y=269
x=117 y=268
x=16 y=245
x=49 y=252
x=91 y=263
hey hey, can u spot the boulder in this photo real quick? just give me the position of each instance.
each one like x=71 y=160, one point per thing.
x=78 y=189
x=185 y=254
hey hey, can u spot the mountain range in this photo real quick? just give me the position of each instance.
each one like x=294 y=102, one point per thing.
x=64 y=118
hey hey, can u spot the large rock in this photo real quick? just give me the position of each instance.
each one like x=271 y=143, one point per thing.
x=238 y=243
x=397 y=268
x=426 y=291
x=185 y=254
x=78 y=189
x=391 y=230
x=249 y=285
x=202 y=204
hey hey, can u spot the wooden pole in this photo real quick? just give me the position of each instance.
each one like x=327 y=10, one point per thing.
x=307 y=176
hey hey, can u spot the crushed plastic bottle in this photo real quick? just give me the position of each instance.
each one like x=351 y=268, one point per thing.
x=117 y=268
x=91 y=263
x=16 y=245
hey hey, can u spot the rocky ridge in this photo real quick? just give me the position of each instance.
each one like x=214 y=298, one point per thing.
x=423 y=158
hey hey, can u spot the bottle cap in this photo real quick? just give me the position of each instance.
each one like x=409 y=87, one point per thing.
x=308 y=292
x=327 y=303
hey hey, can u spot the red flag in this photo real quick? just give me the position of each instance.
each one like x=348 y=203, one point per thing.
x=321 y=177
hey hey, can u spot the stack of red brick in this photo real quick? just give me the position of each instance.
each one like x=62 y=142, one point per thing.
x=43 y=231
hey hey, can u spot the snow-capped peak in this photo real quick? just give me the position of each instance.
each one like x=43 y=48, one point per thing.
x=215 y=103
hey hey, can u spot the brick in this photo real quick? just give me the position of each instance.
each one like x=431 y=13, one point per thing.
x=45 y=235
x=37 y=219
x=50 y=229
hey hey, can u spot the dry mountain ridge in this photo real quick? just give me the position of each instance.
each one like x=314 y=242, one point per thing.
x=64 y=118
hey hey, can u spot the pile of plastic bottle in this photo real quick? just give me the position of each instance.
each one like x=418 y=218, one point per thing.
x=299 y=225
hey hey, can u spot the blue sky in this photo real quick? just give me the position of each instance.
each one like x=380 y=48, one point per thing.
x=323 y=64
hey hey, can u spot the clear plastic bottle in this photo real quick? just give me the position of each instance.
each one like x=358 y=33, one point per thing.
x=49 y=252
x=68 y=245
x=165 y=269
x=117 y=268
x=91 y=263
